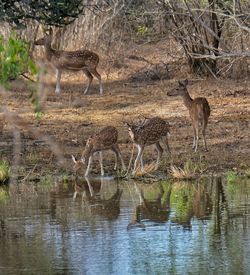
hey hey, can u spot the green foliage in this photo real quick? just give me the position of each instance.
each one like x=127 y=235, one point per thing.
x=14 y=59
x=142 y=30
x=4 y=171
x=46 y=180
x=231 y=176
x=4 y=195
x=49 y=12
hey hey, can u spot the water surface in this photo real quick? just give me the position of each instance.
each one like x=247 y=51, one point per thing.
x=102 y=226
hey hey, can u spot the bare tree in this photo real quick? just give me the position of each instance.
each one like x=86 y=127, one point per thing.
x=203 y=28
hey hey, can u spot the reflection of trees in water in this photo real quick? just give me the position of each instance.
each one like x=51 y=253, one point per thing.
x=189 y=201
x=202 y=200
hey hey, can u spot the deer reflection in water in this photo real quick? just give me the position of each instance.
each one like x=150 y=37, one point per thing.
x=92 y=196
x=156 y=210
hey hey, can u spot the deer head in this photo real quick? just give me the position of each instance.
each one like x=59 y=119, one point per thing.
x=180 y=90
x=131 y=129
x=46 y=39
x=77 y=163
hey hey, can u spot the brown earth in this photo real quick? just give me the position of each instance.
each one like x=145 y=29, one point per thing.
x=71 y=116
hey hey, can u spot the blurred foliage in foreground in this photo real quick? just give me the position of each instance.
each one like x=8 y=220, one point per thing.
x=4 y=171
x=15 y=61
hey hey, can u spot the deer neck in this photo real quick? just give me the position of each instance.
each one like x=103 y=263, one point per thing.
x=187 y=100
x=87 y=152
x=49 y=52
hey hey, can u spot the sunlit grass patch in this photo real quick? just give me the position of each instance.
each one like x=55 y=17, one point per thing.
x=4 y=171
x=147 y=169
x=189 y=171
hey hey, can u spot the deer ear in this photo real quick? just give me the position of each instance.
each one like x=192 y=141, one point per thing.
x=185 y=82
x=83 y=159
x=73 y=158
x=126 y=124
x=180 y=82
x=50 y=31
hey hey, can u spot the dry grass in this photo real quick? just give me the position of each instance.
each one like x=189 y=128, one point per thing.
x=71 y=117
x=189 y=171
x=147 y=170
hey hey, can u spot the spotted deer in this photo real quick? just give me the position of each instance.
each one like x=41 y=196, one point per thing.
x=199 y=111
x=80 y=60
x=151 y=132
x=106 y=139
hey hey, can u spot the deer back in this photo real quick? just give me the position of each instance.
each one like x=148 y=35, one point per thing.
x=150 y=132
x=75 y=60
x=103 y=140
x=199 y=109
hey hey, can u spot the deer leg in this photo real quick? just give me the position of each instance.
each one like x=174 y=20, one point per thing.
x=196 y=136
x=139 y=155
x=98 y=76
x=159 y=151
x=204 y=135
x=116 y=160
x=101 y=162
x=165 y=142
x=141 y=160
x=74 y=197
x=117 y=152
x=90 y=78
x=89 y=165
x=91 y=190
x=195 y=127
x=58 y=79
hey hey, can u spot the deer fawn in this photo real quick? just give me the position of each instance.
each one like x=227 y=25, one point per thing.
x=81 y=60
x=106 y=139
x=150 y=132
x=199 y=111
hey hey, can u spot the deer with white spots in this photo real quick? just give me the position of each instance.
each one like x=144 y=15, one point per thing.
x=151 y=132
x=104 y=140
x=80 y=60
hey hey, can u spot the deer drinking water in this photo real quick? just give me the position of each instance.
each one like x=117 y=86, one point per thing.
x=150 y=132
x=106 y=139
x=80 y=60
x=199 y=111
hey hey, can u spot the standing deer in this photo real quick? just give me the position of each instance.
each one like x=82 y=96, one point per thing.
x=106 y=139
x=151 y=132
x=199 y=111
x=81 y=60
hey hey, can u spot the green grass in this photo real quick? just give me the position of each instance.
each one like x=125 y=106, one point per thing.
x=4 y=171
x=231 y=176
x=248 y=172
x=4 y=195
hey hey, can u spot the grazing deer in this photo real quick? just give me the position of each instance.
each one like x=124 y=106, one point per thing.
x=150 y=132
x=81 y=60
x=106 y=139
x=199 y=111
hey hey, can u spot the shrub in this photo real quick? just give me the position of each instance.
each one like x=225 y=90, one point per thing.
x=4 y=171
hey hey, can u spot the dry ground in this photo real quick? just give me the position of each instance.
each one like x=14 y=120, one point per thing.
x=71 y=117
